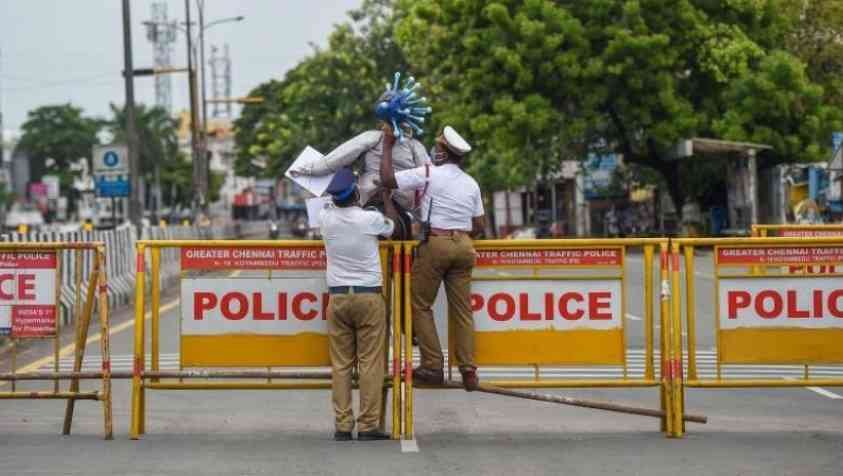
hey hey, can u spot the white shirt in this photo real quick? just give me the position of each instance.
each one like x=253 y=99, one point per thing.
x=455 y=194
x=351 y=244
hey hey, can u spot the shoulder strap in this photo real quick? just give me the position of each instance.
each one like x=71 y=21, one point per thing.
x=419 y=195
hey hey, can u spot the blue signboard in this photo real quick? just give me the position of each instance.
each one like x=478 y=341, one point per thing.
x=598 y=171
x=118 y=187
x=836 y=140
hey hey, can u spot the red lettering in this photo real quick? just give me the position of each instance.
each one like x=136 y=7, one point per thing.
x=508 y=301
x=242 y=306
x=563 y=306
x=818 y=303
x=834 y=303
x=598 y=301
x=476 y=302
x=737 y=300
x=260 y=314
x=282 y=306
x=297 y=306
x=203 y=302
x=326 y=299
x=548 y=306
x=526 y=315
x=792 y=303
x=776 y=299
x=3 y=279
x=26 y=282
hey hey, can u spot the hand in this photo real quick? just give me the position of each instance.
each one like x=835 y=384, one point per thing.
x=298 y=172
x=388 y=135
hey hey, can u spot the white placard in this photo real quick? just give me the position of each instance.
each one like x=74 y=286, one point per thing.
x=546 y=305
x=811 y=303
x=314 y=185
x=277 y=306
x=314 y=210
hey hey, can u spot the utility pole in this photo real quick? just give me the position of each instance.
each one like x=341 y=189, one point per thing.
x=162 y=33
x=205 y=166
x=135 y=205
x=194 y=120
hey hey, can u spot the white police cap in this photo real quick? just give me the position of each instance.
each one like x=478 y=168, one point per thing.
x=455 y=142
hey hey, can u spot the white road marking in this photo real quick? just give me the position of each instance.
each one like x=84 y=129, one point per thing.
x=825 y=393
x=409 y=446
x=633 y=317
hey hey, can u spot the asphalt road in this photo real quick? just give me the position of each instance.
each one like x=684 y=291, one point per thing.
x=765 y=432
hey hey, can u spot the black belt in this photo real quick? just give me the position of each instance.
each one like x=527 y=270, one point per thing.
x=356 y=290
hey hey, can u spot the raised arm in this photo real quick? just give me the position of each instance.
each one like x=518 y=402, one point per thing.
x=387 y=171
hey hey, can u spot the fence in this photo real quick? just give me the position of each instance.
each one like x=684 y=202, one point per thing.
x=577 y=291
x=29 y=310
x=770 y=311
x=274 y=317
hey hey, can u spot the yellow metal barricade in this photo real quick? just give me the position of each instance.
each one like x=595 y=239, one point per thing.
x=30 y=301
x=249 y=305
x=767 y=316
x=544 y=304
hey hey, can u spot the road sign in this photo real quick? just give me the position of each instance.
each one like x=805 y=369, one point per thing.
x=111 y=170
x=27 y=294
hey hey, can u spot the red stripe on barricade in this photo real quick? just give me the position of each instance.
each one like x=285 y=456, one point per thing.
x=675 y=261
x=408 y=372
x=408 y=262
x=139 y=263
x=396 y=367
x=396 y=263
x=103 y=288
x=677 y=369
x=138 y=367
x=663 y=260
x=106 y=366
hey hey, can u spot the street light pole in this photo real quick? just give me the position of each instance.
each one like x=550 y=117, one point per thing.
x=194 y=120
x=204 y=138
x=135 y=205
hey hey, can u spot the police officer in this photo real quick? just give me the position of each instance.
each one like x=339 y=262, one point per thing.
x=356 y=311
x=453 y=209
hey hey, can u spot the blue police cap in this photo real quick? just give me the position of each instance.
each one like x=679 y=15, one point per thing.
x=343 y=184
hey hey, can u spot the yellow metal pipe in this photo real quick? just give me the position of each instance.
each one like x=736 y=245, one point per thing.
x=664 y=321
x=676 y=344
x=754 y=242
x=154 y=308
x=238 y=386
x=558 y=383
x=49 y=395
x=396 y=341
x=408 y=344
x=105 y=349
x=137 y=387
x=765 y=383
x=57 y=336
x=649 y=371
x=690 y=303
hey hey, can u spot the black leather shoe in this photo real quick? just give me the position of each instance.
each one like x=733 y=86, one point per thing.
x=429 y=376
x=342 y=436
x=373 y=435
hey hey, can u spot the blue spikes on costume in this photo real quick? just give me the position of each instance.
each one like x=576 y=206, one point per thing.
x=402 y=106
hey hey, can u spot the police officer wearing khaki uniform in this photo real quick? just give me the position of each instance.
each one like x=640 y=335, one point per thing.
x=452 y=204
x=356 y=312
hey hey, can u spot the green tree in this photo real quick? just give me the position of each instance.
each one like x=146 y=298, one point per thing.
x=536 y=81
x=62 y=133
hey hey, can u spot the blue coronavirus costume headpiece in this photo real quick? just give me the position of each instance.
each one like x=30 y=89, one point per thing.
x=402 y=105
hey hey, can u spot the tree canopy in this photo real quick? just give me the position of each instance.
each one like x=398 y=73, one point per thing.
x=535 y=82
x=60 y=132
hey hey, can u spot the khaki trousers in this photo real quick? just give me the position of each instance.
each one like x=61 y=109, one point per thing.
x=449 y=259
x=357 y=329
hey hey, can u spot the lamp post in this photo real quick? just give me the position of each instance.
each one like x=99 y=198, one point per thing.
x=198 y=139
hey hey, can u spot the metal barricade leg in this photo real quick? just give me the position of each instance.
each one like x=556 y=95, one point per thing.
x=104 y=344
x=136 y=427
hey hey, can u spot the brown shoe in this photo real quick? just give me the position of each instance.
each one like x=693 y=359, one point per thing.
x=470 y=381
x=428 y=376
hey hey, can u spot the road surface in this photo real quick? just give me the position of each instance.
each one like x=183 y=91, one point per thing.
x=751 y=432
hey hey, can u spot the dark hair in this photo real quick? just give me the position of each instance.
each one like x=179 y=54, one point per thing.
x=350 y=201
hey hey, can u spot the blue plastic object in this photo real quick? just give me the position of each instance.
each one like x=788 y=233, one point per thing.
x=402 y=105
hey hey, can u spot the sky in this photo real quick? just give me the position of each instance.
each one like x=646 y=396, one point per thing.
x=59 y=51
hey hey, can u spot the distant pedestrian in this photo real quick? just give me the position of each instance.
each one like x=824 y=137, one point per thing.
x=357 y=311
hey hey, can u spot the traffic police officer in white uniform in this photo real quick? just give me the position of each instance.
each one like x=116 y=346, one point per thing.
x=356 y=312
x=453 y=207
